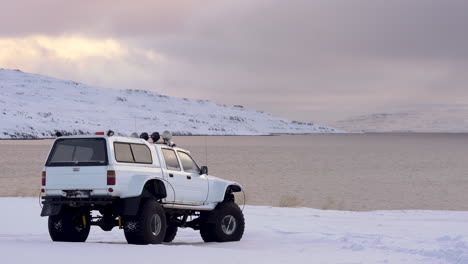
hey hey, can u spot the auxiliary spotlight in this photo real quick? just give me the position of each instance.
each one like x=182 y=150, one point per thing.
x=155 y=137
x=144 y=136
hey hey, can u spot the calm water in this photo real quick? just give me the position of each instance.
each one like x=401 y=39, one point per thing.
x=347 y=171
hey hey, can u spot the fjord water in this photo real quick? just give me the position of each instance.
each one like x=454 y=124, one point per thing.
x=327 y=171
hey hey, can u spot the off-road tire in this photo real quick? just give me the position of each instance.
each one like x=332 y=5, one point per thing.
x=206 y=232
x=148 y=227
x=225 y=223
x=171 y=232
x=68 y=226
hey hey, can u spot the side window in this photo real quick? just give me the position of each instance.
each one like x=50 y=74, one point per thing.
x=141 y=153
x=187 y=162
x=132 y=153
x=123 y=153
x=171 y=159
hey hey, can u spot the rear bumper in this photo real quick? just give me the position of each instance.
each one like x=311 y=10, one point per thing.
x=75 y=202
x=53 y=204
x=53 y=191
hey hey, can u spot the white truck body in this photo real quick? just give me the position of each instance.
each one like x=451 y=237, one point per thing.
x=185 y=189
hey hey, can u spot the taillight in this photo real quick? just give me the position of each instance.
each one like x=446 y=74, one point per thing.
x=110 y=177
x=100 y=133
x=43 y=178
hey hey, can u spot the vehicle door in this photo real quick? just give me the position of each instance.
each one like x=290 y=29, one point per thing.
x=176 y=177
x=197 y=185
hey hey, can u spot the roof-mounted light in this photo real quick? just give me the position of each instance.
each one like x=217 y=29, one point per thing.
x=155 y=137
x=166 y=135
x=144 y=136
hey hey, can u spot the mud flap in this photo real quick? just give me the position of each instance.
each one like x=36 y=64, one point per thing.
x=51 y=209
x=128 y=206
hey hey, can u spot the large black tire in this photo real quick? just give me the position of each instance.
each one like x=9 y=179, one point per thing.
x=148 y=227
x=171 y=232
x=68 y=226
x=225 y=223
x=206 y=232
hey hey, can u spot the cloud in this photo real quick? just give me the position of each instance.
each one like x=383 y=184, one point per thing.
x=96 y=17
x=103 y=62
x=71 y=48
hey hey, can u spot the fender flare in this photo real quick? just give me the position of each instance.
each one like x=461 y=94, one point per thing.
x=234 y=188
x=152 y=189
x=230 y=189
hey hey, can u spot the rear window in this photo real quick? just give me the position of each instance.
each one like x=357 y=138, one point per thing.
x=78 y=152
x=132 y=153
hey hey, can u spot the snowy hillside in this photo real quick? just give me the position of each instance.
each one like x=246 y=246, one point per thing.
x=36 y=106
x=430 y=118
x=272 y=235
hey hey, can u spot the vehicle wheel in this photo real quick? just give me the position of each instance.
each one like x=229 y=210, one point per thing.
x=69 y=226
x=206 y=232
x=171 y=233
x=225 y=223
x=148 y=227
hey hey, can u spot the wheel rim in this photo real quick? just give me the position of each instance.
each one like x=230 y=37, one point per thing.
x=228 y=224
x=155 y=225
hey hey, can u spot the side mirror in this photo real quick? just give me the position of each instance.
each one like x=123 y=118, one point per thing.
x=204 y=170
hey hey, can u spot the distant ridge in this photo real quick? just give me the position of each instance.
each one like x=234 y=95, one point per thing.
x=425 y=118
x=36 y=106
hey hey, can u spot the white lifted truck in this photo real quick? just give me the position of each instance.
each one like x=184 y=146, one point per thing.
x=147 y=189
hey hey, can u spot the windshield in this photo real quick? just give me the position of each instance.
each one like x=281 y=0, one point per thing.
x=78 y=152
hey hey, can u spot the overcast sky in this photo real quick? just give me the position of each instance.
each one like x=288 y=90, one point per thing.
x=313 y=60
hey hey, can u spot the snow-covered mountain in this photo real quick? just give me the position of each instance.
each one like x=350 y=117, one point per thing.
x=35 y=106
x=426 y=118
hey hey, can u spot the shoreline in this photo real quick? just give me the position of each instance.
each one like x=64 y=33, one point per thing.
x=271 y=135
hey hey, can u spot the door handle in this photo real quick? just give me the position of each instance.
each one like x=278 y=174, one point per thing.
x=171 y=175
x=189 y=177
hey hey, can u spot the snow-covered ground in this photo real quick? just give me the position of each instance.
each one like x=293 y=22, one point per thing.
x=273 y=235
x=33 y=105
x=419 y=118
